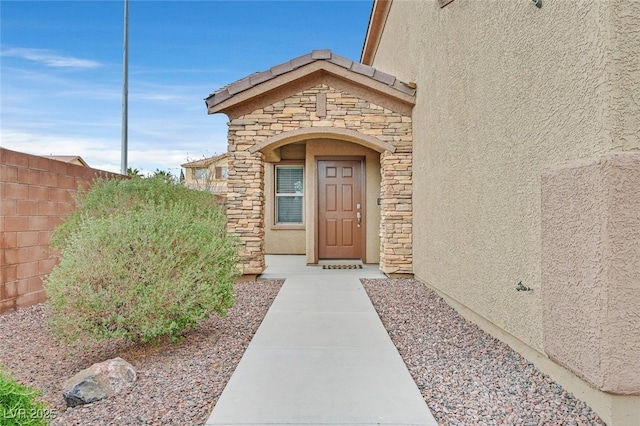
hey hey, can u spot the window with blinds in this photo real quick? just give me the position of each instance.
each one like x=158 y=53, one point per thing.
x=289 y=194
x=201 y=174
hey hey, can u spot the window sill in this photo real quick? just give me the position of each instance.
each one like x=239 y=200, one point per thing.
x=288 y=227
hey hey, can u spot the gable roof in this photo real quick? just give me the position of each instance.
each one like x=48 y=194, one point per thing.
x=204 y=162
x=316 y=63
x=73 y=159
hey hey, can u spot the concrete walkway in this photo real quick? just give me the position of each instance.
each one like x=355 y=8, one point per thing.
x=320 y=357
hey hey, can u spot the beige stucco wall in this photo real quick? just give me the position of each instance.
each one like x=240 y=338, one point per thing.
x=279 y=239
x=591 y=269
x=505 y=90
x=211 y=183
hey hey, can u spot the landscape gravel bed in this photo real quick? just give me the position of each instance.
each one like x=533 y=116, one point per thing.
x=178 y=384
x=466 y=376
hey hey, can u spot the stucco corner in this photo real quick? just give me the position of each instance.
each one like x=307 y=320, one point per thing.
x=591 y=269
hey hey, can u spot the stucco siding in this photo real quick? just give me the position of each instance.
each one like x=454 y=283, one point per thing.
x=591 y=269
x=505 y=91
x=279 y=239
x=624 y=54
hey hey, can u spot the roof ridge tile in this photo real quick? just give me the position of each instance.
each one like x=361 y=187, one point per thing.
x=257 y=78
x=321 y=54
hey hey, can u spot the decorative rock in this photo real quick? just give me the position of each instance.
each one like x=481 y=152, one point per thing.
x=99 y=381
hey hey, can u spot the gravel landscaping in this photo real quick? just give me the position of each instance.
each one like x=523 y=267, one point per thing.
x=466 y=376
x=178 y=384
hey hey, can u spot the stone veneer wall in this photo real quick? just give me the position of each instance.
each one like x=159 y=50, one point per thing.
x=245 y=199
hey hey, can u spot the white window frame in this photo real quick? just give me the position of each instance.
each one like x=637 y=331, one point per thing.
x=203 y=170
x=278 y=196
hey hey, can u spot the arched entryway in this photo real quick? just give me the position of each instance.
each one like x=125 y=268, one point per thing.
x=339 y=175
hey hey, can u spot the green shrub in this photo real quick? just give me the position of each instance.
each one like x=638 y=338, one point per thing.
x=122 y=196
x=19 y=404
x=141 y=259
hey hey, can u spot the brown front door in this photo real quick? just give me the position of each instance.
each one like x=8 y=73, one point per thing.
x=340 y=209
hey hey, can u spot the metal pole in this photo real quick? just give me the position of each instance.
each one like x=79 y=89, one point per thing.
x=125 y=91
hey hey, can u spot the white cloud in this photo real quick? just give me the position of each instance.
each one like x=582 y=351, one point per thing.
x=48 y=112
x=50 y=58
x=92 y=150
x=99 y=153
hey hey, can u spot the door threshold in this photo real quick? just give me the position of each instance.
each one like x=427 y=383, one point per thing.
x=322 y=262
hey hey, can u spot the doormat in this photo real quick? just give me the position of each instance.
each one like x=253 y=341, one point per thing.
x=341 y=266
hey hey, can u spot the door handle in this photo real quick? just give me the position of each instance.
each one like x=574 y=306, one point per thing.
x=359 y=217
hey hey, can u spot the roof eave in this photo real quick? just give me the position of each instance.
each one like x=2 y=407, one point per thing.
x=377 y=20
x=357 y=74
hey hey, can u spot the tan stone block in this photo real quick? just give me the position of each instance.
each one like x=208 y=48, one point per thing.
x=373 y=132
x=403 y=252
x=242 y=122
x=294 y=110
x=374 y=118
x=322 y=123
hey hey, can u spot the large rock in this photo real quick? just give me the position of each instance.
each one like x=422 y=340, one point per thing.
x=99 y=381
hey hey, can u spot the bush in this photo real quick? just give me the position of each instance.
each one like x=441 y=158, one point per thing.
x=19 y=404
x=141 y=259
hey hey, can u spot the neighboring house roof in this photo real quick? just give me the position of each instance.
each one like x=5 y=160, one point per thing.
x=318 y=63
x=205 y=162
x=73 y=159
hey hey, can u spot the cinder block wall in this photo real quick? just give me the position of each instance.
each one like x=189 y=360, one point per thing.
x=36 y=193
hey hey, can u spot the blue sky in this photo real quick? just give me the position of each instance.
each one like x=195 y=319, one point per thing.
x=61 y=70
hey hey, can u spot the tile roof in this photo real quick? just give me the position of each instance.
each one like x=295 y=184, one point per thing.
x=255 y=79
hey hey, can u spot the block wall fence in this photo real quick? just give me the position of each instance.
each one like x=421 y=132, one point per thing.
x=36 y=193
